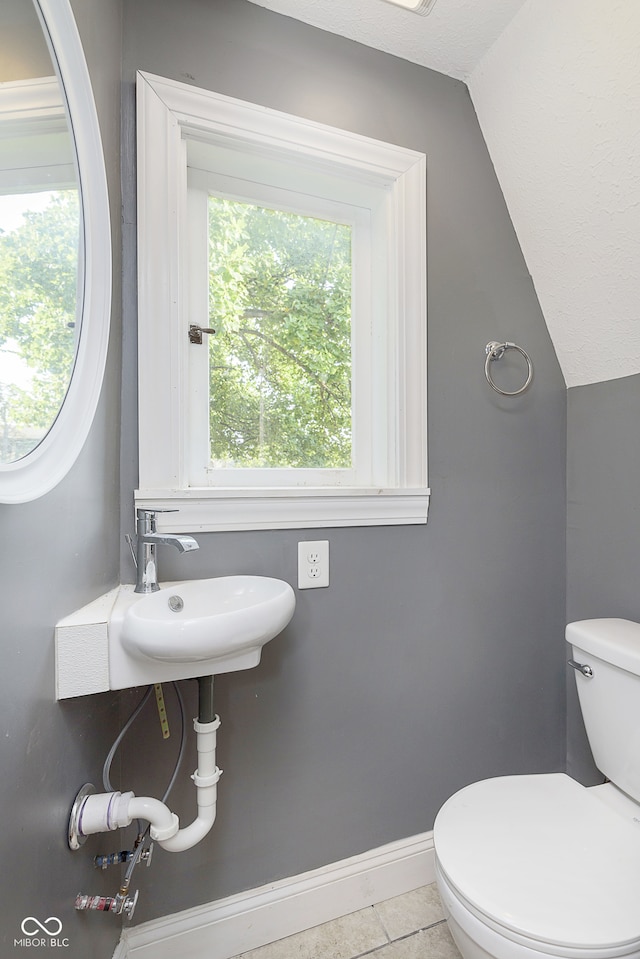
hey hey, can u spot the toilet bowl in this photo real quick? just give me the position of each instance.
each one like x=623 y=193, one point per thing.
x=533 y=867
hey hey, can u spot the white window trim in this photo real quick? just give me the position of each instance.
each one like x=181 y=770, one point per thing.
x=169 y=113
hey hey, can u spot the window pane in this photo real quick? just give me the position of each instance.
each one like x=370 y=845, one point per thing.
x=280 y=362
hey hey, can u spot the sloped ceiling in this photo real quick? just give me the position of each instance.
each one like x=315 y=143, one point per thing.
x=556 y=86
x=452 y=39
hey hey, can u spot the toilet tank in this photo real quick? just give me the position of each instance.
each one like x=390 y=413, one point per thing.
x=610 y=699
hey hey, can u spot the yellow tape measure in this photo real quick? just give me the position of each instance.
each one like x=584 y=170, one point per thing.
x=162 y=711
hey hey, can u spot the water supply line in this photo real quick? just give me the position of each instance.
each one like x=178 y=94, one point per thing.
x=102 y=812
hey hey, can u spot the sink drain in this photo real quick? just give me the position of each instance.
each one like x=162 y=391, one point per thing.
x=176 y=603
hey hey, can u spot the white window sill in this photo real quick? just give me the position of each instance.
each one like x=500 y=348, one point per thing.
x=213 y=510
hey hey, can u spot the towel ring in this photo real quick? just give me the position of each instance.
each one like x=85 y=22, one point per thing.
x=495 y=351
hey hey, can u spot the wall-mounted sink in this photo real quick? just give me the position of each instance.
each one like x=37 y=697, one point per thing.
x=207 y=619
x=188 y=629
x=195 y=628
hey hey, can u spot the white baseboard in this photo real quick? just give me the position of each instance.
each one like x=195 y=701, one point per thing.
x=121 y=950
x=224 y=929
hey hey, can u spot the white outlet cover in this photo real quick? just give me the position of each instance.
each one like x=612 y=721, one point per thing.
x=313 y=564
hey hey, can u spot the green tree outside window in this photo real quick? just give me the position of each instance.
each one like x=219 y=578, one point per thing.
x=280 y=362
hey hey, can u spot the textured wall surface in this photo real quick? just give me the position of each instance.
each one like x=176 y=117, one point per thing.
x=436 y=656
x=58 y=553
x=452 y=39
x=558 y=99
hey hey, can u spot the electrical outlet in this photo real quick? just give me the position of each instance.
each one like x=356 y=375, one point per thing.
x=313 y=564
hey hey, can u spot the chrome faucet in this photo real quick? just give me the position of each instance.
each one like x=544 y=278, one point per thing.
x=148 y=540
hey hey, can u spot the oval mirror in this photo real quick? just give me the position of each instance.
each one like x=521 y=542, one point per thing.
x=55 y=248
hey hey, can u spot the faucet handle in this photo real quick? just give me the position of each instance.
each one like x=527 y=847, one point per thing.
x=146 y=518
x=129 y=540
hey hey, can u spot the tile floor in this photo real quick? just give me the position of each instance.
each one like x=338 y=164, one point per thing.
x=407 y=927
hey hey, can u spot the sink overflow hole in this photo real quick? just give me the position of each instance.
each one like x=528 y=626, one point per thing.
x=176 y=603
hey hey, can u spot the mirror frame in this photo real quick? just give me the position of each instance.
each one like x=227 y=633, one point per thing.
x=45 y=466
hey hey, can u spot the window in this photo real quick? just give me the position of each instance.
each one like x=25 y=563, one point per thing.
x=303 y=247
x=279 y=290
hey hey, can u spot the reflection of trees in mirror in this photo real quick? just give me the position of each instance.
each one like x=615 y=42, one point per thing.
x=38 y=297
x=280 y=364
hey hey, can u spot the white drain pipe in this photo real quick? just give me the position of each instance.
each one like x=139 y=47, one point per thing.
x=205 y=778
x=103 y=812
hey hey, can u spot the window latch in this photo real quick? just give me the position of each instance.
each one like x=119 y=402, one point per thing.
x=195 y=333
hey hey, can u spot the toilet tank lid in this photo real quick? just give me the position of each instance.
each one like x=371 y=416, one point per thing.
x=615 y=641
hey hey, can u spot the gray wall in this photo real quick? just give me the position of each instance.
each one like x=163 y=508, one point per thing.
x=436 y=656
x=57 y=554
x=603 y=522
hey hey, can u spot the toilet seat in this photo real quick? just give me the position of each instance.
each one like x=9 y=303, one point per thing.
x=544 y=862
x=482 y=938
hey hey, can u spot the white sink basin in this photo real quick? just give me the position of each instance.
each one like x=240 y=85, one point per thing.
x=195 y=628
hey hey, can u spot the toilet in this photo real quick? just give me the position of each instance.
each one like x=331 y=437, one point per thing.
x=532 y=867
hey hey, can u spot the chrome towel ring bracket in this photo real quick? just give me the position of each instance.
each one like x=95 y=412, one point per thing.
x=495 y=351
